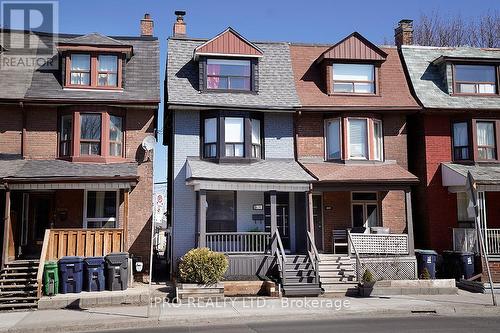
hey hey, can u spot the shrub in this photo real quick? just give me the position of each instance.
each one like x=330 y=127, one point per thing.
x=202 y=266
x=425 y=274
x=368 y=277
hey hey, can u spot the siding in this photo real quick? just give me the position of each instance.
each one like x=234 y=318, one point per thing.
x=244 y=203
x=278 y=131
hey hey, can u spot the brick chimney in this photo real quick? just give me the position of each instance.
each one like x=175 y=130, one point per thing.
x=180 y=25
x=403 y=34
x=147 y=25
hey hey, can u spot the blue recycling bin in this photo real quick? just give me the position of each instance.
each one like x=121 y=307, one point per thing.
x=459 y=265
x=426 y=259
x=93 y=274
x=71 y=274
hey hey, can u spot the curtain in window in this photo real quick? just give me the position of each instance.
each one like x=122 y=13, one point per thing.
x=357 y=138
x=333 y=139
x=255 y=131
x=108 y=63
x=115 y=135
x=210 y=130
x=234 y=129
x=460 y=134
x=80 y=62
x=485 y=134
x=213 y=79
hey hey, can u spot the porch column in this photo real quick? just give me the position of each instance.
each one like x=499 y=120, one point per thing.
x=274 y=218
x=126 y=193
x=6 y=228
x=202 y=218
x=310 y=216
x=409 y=222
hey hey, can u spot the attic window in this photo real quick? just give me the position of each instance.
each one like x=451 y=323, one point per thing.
x=228 y=74
x=93 y=70
x=475 y=79
x=354 y=78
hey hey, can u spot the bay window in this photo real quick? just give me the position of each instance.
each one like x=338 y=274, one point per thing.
x=363 y=139
x=65 y=135
x=115 y=135
x=353 y=78
x=461 y=141
x=256 y=139
x=234 y=136
x=228 y=74
x=90 y=134
x=486 y=140
x=475 y=79
x=101 y=209
x=210 y=138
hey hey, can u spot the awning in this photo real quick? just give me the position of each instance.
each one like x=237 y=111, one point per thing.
x=267 y=175
x=387 y=174
x=454 y=176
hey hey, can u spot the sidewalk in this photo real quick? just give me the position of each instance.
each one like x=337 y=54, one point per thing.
x=244 y=309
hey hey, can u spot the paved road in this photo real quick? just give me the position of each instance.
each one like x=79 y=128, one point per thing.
x=427 y=324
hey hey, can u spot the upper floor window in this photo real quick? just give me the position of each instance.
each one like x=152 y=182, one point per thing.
x=486 y=145
x=91 y=70
x=235 y=137
x=461 y=141
x=228 y=74
x=364 y=139
x=98 y=136
x=354 y=78
x=475 y=79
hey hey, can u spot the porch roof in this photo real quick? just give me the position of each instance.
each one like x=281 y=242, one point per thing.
x=388 y=173
x=487 y=177
x=269 y=174
x=21 y=173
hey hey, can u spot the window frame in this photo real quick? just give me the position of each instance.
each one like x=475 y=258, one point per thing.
x=107 y=73
x=228 y=89
x=234 y=221
x=495 y=124
x=353 y=92
x=469 y=140
x=233 y=144
x=60 y=135
x=71 y=71
x=341 y=137
x=110 y=142
x=348 y=143
x=86 y=219
x=455 y=83
x=365 y=203
x=94 y=71
x=91 y=141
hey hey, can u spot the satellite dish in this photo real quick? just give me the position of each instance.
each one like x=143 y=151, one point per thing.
x=148 y=143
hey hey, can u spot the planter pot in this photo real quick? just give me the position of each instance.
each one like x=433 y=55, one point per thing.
x=194 y=293
x=366 y=289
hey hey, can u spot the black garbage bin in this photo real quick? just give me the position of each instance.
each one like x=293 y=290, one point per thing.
x=94 y=274
x=426 y=259
x=458 y=265
x=117 y=271
x=71 y=273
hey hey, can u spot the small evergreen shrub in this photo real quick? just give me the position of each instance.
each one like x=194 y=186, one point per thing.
x=425 y=274
x=368 y=277
x=202 y=266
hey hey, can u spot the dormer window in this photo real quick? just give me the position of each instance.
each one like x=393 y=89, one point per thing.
x=80 y=69
x=107 y=70
x=475 y=79
x=93 y=70
x=228 y=74
x=353 y=78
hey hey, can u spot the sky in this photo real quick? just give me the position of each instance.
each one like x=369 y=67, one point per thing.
x=321 y=21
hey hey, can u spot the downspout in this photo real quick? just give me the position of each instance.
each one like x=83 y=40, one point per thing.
x=23 y=132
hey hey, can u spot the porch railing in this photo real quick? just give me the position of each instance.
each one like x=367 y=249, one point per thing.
x=59 y=243
x=379 y=244
x=493 y=241
x=238 y=242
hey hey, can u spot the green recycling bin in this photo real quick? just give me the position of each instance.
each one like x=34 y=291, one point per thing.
x=50 y=278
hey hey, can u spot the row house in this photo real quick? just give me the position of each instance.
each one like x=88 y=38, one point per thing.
x=74 y=178
x=286 y=155
x=456 y=133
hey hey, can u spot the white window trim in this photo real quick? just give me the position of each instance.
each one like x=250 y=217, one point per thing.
x=381 y=144
x=365 y=213
x=348 y=145
x=111 y=219
x=325 y=130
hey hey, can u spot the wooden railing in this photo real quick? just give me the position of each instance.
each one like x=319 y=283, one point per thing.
x=238 y=242
x=379 y=244
x=59 y=243
x=493 y=241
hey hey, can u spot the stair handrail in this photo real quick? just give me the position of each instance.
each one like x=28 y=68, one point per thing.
x=41 y=264
x=358 y=258
x=280 y=256
x=313 y=254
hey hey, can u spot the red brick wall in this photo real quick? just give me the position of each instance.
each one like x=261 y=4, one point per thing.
x=41 y=132
x=493 y=209
x=495 y=271
x=339 y=217
x=393 y=211
x=11 y=124
x=70 y=202
x=395 y=147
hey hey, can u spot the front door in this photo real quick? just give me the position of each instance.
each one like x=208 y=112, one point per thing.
x=37 y=216
x=282 y=216
x=318 y=222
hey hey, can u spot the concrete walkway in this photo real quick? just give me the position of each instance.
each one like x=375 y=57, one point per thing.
x=241 y=309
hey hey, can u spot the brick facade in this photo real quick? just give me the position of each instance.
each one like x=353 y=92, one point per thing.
x=10 y=130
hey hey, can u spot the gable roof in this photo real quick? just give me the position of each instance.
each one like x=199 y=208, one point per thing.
x=228 y=43
x=430 y=78
x=354 y=47
x=141 y=72
x=276 y=86
x=394 y=92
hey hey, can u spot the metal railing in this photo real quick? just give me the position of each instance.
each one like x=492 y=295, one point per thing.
x=352 y=249
x=492 y=241
x=278 y=251
x=313 y=254
x=238 y=242
x=380 y=244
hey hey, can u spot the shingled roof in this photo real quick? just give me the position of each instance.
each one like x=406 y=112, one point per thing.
x=276 y=86
x=431 y=82
x=141 y=72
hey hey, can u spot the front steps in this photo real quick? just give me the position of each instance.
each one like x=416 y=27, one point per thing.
x=337 y=275
x=300 y=277
x=18 y=285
